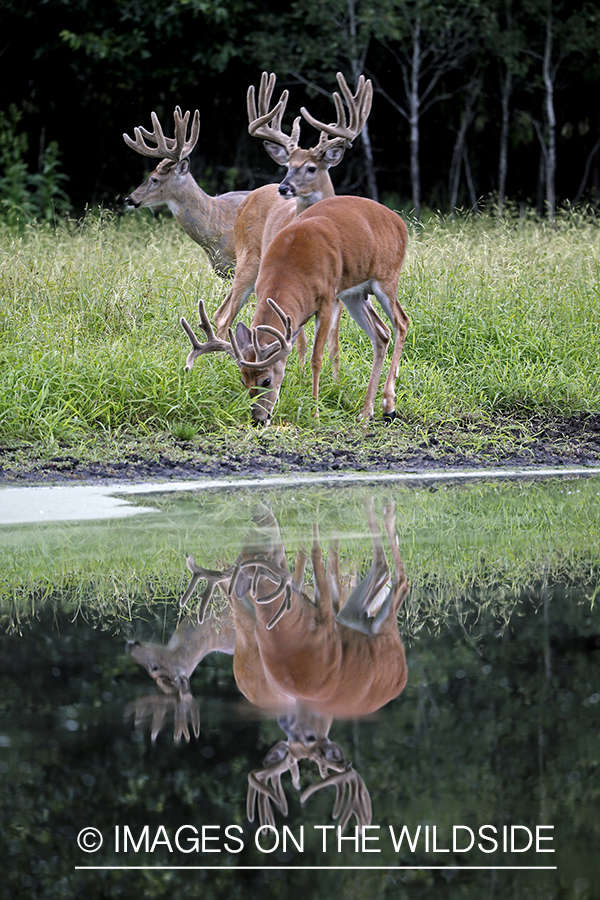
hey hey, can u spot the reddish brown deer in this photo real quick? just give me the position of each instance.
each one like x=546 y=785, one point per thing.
x=342 y=247
x=207 y=220
x=335 y=654
x=268 y=209
x=335 y=657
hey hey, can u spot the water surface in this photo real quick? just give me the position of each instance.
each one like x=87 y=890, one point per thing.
x=421 y=660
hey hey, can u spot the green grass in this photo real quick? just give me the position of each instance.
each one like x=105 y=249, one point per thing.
x=505 y=316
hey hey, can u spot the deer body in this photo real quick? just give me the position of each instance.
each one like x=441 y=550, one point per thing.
x=345 y=248
x=207 y=220
x=270 y=208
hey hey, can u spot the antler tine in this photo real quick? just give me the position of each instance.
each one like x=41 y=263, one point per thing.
x=358 y=802
x=266 y=123
x=283 y=339
x=211 y=345
x=285 y=584
x=184 y=147
x=261 y=795
x=359 y=106
x=165 y=147
x=213 y=579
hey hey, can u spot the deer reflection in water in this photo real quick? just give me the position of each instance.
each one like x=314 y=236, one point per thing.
x=305 y=654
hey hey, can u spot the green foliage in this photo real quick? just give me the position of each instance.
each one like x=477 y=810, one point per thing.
x=27 y=196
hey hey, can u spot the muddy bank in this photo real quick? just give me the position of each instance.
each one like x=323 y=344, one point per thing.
x=562 y=442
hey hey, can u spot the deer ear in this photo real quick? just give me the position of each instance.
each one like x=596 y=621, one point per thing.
x=183 y=685
x=334 y=155
x=277 y=152
x=243 y=336
x=183 y=166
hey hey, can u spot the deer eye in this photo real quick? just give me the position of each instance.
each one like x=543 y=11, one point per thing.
x=266 y=383
x=153 y=180
x=311 y=170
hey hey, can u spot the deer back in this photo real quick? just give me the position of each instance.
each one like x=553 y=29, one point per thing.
x=333 y=246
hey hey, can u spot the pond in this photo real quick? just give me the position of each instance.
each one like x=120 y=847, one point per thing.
x=373 y=690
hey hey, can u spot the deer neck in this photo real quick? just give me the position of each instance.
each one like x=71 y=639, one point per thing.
x=321 y=192
x=206 y=220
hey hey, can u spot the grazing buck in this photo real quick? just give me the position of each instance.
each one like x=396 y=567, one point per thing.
x=207 y=220
x=345 y=248
x=335 y=654
x=335 y=657
x=268 y=209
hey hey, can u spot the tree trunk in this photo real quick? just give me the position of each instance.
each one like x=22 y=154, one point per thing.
x=459 y=144
x=357 y=65
x=550 y=123
x=506 y=91
x=369 y=164
x=414 y=104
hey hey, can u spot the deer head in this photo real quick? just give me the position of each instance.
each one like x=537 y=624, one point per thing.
x=262 y=365
x=174 y=155
x=307 y=177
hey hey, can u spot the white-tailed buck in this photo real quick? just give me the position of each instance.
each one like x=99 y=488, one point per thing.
x=345 y=248
x=171 y=666
x=268 y=209
x=207 y=220
x=335 y=654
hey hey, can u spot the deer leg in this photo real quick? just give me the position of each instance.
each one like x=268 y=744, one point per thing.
x=323 y=598
x=334 y=339
x=400 y=322
x=378 y=333
x=401 y=586
x=246 y=272
x=301 y=346
x=322 y=322
x=333 y=572
x=369 y=603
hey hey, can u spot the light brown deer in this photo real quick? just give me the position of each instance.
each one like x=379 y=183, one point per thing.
x=268 y=209
x=207 y=220
x=171 y=666
x=342 y=247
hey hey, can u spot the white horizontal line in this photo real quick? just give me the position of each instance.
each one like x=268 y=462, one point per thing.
x=317 y=868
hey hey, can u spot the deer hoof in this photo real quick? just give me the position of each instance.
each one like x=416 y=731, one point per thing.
x=389 y=417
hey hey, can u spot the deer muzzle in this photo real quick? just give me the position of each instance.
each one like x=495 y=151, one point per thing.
x=287 y=190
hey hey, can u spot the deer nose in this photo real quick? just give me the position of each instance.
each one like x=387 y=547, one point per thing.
x=131 y=203
x=287 y=190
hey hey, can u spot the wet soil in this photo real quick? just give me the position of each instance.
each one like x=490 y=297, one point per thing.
x=562 y=442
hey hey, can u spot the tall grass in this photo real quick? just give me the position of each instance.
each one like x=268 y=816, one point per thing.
x=505 y=316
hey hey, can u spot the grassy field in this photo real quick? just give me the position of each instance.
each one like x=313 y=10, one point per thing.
x=505 y=317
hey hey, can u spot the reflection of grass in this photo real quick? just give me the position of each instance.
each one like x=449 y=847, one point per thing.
x=454 y=541
x=504 y=314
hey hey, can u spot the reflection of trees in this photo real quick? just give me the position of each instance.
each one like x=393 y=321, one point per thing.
x=463 y=745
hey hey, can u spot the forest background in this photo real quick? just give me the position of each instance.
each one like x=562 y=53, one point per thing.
x=472 y=100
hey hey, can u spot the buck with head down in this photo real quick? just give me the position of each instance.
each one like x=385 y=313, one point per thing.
x=207 y=220
x=333 y=656
x=344 y=248
x=337 y=653
x=268 y=209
